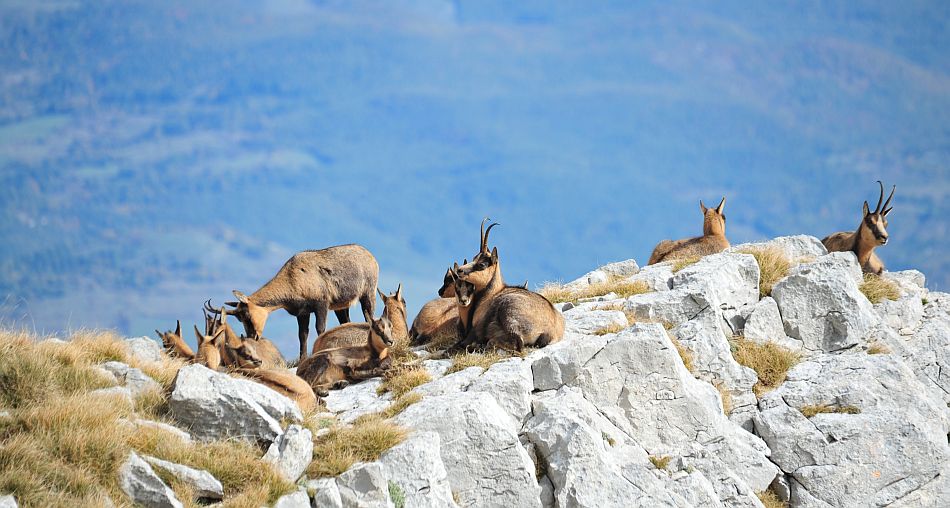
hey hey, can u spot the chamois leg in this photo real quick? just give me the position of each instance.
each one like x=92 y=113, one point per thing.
x=321 y=313
x=342 y=315
x=303 y=331
x=368 y=305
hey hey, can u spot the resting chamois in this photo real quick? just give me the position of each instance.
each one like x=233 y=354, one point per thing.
x=354 y=334
x=208 y=353
x=175 y=345
x=313 y=282
x=871 y=233
x=286 y=383
x=335 y=368
x=464 y=297
x=242 y=351
x=713 y=239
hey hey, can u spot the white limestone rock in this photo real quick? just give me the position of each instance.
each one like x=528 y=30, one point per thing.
x=580 y=320
x=364 y=485
x=203 y=483
x=143 y=486
x=453 y=383
x=144 y=349
x=510 y=382
x=658 y=277
x=798 y=249
x=763 y=323
x=325 y=493
x=604 y=273
x=357 y=400
x=415 y=465
x=291 y=453
x=7 y=502
x=298 y=499
x=134 y=379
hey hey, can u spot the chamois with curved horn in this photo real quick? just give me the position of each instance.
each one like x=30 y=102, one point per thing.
x=313 y=282
x=871 y=233
x=175 y=345
x=336 y=368
x=713 y=239
x=354 y=334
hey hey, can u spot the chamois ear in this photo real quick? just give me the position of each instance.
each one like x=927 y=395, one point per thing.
x=178 y=327
x=201 y=338
x=702 y=207
x=721 y=205
x=381 y=294
x=240 y=296
x=160 y=336
x=399 y=292
x=867 y=209
x=216 y=340
x=494 y=253
x=465 y=261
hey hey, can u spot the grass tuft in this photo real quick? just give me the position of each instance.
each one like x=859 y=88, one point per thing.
x=877 y=288
x=484 y=360
x=815 y=409
x=660 y=461
x=679 y=264
x=878 y=348
x=726 y=397
x=770 y=362
x=396 y=494
x=770 y=499
x=611 y=328
x=609 y=439
x=773 y=267
x=557 y=293
x=685 y=354
x=400 y=379
x=365 y=441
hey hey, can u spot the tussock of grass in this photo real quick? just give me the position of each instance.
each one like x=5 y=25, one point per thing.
x=770 y=499
x=685 y=354
x=660 y=461
x=773 y=267
x=557 y=293
x=726 y=397
x=611 y=328
x=814 y=409
x=770 y=362
x=401 y=404
x=396 y=494
x=679 y=264
x=365 y=441
x=878 y=348
x=402 y=378
x=484 y=360
x=877 y=288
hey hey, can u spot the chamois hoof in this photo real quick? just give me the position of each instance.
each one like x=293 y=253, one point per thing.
x=339 y=385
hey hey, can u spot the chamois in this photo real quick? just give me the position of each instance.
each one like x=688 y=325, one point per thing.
x=175 y=346
x=208 y=352
x=354 y=334
x=335 y=368
x=242 y=351
x=313 y=282
x=871 y=233
x=464 y=297
x=713 y=239
x=284 y=382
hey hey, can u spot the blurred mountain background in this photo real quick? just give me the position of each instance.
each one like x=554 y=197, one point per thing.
x=156 y=154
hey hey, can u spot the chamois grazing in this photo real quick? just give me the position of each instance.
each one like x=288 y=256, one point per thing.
x=713 y=239
x=335 y=368
x=871 y=233
x=354 y=334
x=175 y=346
x=505 y=316
x=208 y=353
x=286 y=383
x=313 y=282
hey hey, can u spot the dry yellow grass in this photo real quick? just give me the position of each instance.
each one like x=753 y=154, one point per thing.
x=484 y=360
x=611 y=328
x=63 y=446
x=726 y=397
x=660 y=461
x=770 y=362
x=773 y=267
x=877 y=288
x=557 y=293
x=685 y=354
x=814 y=409
x=770 y=499
x=342 y=447
x=679 y=264
x=878 y=348
x=402 y=378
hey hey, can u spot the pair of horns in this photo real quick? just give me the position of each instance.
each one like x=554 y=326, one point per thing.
x=884 y=209
x=483 y=241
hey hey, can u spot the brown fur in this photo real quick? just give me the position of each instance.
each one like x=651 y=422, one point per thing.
x=336 y=368
x=286 y=383
x=713 y=239
x=354 y=334
x=175 y=346
x=436 y=320
x=313 y=282
x=235 y=352
x=871 y=233
x=208 y=353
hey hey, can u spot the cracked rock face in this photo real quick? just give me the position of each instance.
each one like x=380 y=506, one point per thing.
x=143 y=486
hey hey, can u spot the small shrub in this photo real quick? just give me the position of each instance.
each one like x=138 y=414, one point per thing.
x=770 y=499
x=878 y=289
x=611 y=328
x=484 y=360
x=773 y=267
x=660 y=461
x=402 y=378
x=878 y=348
x=679 y=264
x=397 y=495
x=557 y=293
x=365 y=441
x=685 y=354
x=814 y=409
x=770 y=362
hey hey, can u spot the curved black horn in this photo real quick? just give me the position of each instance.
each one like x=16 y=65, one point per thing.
x=211 y=309
x=481 y=237
x=485 y=243
x=883 y=208
x=879 y=199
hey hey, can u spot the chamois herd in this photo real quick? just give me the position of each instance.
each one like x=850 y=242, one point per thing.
x=475 y=309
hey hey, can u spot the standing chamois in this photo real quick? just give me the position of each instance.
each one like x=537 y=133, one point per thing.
x=871 y=233
x=313 y=282
x=335 y=368
x=354 y=334
x=175 y=345
x=712 y=241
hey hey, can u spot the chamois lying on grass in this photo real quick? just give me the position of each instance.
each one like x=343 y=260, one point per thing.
x=243 y=352
x=336 y=368
x=175 y=346
x=284 y=382
x=713 y=239
x=313 y=282
x=354 y=334
x=209 y=353
x=870 y=233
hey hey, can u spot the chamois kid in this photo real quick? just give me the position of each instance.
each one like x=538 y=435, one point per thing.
x=336 y=368
x=871 y=233
x=243 y=351
x=313 y=282
x=286 y=383
x=208 y=353
x=713 y=239
x=354 y=334
x=175 y=346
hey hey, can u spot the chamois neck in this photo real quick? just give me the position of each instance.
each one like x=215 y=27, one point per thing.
x=274 y=294
x=397 y=317
x=864 y=244
x=495 y=284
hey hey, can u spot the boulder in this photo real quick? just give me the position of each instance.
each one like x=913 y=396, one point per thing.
x=279 y=406
x=120 y=392
x=763 y=323
x=215 y=406
x=144 y=349
x=605 y=273
x=415 y=466
x=357 y=400
x=911 y=282
x=798 y=249
x=133 y=379
x=291 y=453
x=902 y=315
x=559 y=363
x=927 y=352
x=584 y=321
x=364 y=486
x=658 y=277
x=204 y=485
x=325 y=493
x=453 y=383
x=729 y=281
x=674 y=307
x=511 y=383
x=483 y=457
x=143 y=486
x=894 y=445
x=7 y=502
x=821 y=305
x=298 y=499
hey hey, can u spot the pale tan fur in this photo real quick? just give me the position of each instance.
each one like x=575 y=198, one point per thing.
x=335 y=368
x=437 y=320
x=286 y=383
x=871 y=233
x=175 y=346
x=354 y=334
x=313 y=282
x=713 y=239
x=235 y=352
x=208 y=353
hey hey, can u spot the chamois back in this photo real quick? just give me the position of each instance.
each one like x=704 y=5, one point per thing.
x=286 y=383
x=713 y=239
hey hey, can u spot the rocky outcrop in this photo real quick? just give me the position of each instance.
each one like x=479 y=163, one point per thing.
x=415 y=467
x=139 y=481
x=202 y=483
x=144 y=349
x=291 y=453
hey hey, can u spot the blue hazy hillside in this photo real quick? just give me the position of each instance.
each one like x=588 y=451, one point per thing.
x=155 y=154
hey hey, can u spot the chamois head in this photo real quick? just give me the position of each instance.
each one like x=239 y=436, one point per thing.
x=464 y=289
x=714 y=221
x=484 y=265
x=251 y=315
x=394 y=306
x=174 y=344
x=381 y=335
x=208 y=353
x=874 y=224
x=448 y=283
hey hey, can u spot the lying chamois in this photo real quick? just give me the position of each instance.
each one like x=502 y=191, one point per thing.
x=354 y=334
x=438 y=319
x=242 y=352
x=313 y=282
x=871 y=233
x=175 y=346
x=335 y=368
x=712 y=241
x=464 y=297
x=286 y=383
x=209 y=354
